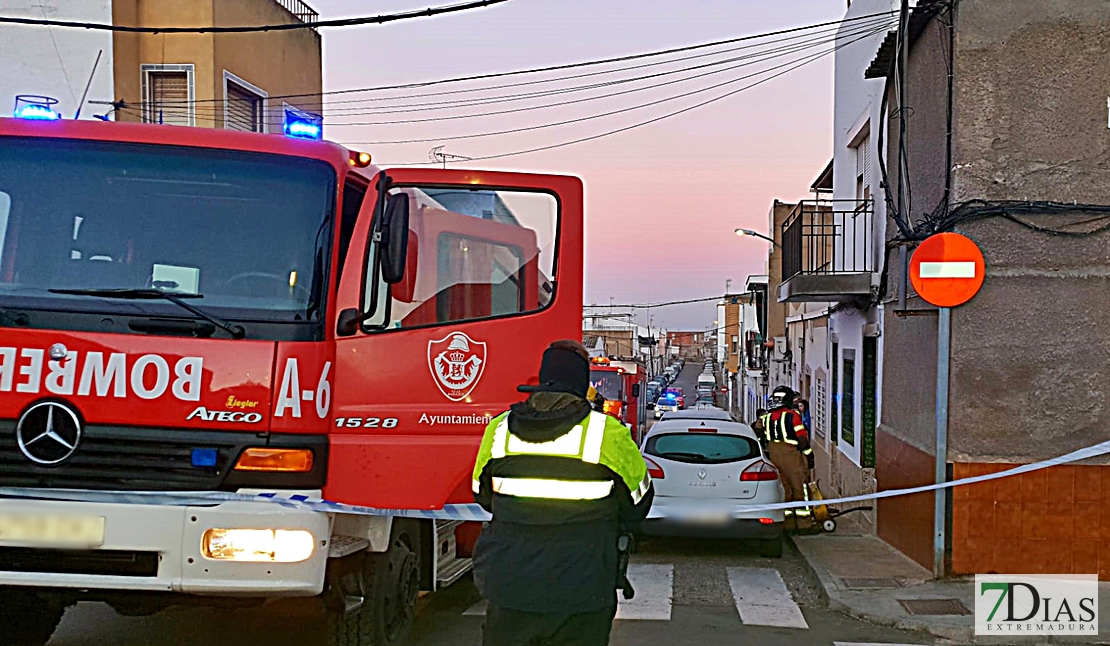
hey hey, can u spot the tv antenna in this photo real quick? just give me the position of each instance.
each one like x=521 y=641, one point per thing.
x=437 y=155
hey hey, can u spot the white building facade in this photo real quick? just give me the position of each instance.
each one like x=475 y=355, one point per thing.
x=56 y=62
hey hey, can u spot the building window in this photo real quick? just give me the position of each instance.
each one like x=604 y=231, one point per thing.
x=820 y=408
x=863 y=171
x=848 y=400
x=168 y=94
x=870 y=402
x=244 y=105
x=834 y=407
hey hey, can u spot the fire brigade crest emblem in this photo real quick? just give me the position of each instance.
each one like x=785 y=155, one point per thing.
x=457 y=363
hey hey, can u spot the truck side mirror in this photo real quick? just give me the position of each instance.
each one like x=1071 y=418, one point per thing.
x=395 y=238
x=636 y=390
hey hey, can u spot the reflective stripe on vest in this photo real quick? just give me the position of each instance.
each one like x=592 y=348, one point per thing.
x=641 y=490
x=553 y=489
x=582 y=442
x=777 y=431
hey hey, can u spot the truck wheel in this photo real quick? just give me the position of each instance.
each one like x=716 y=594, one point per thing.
x=26 y=619
x=771 y=547
x=388 y=584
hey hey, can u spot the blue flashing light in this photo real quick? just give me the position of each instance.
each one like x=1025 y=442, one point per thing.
x=35 y=107
x=204 y=457
x=303 y=125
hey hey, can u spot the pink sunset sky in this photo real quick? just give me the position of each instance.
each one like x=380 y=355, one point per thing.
x=661 y=200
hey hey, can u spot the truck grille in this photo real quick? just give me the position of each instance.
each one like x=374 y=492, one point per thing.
x=146 y=459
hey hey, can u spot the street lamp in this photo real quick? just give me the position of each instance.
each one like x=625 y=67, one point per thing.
x=755 y=234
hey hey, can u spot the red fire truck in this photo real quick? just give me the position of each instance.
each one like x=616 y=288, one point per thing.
x=184 y=309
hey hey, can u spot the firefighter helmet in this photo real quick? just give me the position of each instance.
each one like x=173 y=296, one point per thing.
x=595 y=399
x=782 y=397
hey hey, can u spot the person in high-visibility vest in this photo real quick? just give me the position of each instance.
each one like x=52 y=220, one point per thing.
x=787 y=443
x=563 y=483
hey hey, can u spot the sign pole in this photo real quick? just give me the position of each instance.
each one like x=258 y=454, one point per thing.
x=944 y=337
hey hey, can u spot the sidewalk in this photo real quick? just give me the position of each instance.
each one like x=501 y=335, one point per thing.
x=866 y=578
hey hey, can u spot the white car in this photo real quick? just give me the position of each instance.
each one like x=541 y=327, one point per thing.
x=705 y=468
x=665 y=405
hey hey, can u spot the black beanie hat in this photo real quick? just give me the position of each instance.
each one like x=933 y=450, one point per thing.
x=562 y=371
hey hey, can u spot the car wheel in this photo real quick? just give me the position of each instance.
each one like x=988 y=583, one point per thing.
x=771 y=547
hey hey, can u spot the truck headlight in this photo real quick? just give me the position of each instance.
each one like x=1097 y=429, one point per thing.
x=258 y=545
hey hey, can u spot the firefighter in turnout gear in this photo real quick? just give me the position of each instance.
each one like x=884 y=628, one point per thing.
x=564 y=484
x=787 y=443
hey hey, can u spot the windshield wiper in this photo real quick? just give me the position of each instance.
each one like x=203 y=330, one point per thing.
x=236 y=331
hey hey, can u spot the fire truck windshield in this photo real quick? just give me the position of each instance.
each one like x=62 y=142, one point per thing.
x=609 y=384
x=249 y=232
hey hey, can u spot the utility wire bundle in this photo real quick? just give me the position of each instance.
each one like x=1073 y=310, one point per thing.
x=640 y=81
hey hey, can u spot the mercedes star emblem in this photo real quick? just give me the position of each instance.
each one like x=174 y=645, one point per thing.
x=702 y=473
x=48 y=433
x=58 y=352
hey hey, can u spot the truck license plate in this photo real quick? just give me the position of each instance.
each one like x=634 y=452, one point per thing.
x=61 y=531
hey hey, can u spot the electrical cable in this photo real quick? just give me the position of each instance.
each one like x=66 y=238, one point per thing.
x=577 y=101
x=242 y=29
x=804 y=60
x=471 y=102
x=350 y=111
x=555 y=68
x=639 y=124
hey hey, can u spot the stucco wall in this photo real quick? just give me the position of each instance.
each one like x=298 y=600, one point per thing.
x=56 y=62
x=1031 y=353
x=279 y=63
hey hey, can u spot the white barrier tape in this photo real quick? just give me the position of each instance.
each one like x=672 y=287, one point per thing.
x=474 y=512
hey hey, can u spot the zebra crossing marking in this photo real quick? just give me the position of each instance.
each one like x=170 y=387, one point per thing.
x=762 y=598
x=654 y=585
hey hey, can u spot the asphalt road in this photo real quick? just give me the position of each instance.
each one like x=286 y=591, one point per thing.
x=689 y=591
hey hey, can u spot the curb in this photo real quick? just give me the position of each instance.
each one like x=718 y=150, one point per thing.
x=831 y=594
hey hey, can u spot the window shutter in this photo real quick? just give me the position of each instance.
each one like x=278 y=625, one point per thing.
x=244 y=109
x=863 y=160
x=169 y=96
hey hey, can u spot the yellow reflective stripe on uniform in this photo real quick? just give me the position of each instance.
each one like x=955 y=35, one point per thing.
x=553 y=489
x=568 y=445
x=500 y=439
x=799 y=428
x=595 y=435
x=807 y=451
x=476 y=486
x=788 y=441
x=642 y=490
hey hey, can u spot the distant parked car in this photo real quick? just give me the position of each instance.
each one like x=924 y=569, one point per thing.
x=709 y=461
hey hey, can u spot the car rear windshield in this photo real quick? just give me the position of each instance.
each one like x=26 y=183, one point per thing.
x=702 y=448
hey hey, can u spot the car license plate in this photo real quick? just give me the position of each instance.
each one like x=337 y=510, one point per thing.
x=61 y=531
x=710 y=519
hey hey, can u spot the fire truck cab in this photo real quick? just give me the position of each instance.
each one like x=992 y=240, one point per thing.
x=192 y=310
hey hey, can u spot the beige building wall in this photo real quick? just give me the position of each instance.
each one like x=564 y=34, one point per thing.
x=277 y=63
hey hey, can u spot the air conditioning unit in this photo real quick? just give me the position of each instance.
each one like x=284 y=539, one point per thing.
x=780 y=347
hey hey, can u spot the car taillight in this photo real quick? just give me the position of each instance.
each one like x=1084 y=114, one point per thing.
x=758 y=471
x=654 y=470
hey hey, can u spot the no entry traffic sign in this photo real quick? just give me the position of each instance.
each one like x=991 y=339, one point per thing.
x=947 y=269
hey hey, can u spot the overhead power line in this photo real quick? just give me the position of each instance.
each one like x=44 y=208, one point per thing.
x=351 y=110
x=555 y=68
x=633 y=126
x=642 y=306
x=241 y=29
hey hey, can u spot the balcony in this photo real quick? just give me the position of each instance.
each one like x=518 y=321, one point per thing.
x=827 y=251
x=300 y=11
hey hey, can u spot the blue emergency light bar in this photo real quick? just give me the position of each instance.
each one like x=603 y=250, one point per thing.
x=35 y=107
x=303 y=125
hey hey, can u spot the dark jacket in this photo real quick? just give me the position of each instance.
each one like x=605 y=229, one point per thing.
x=551 y=555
